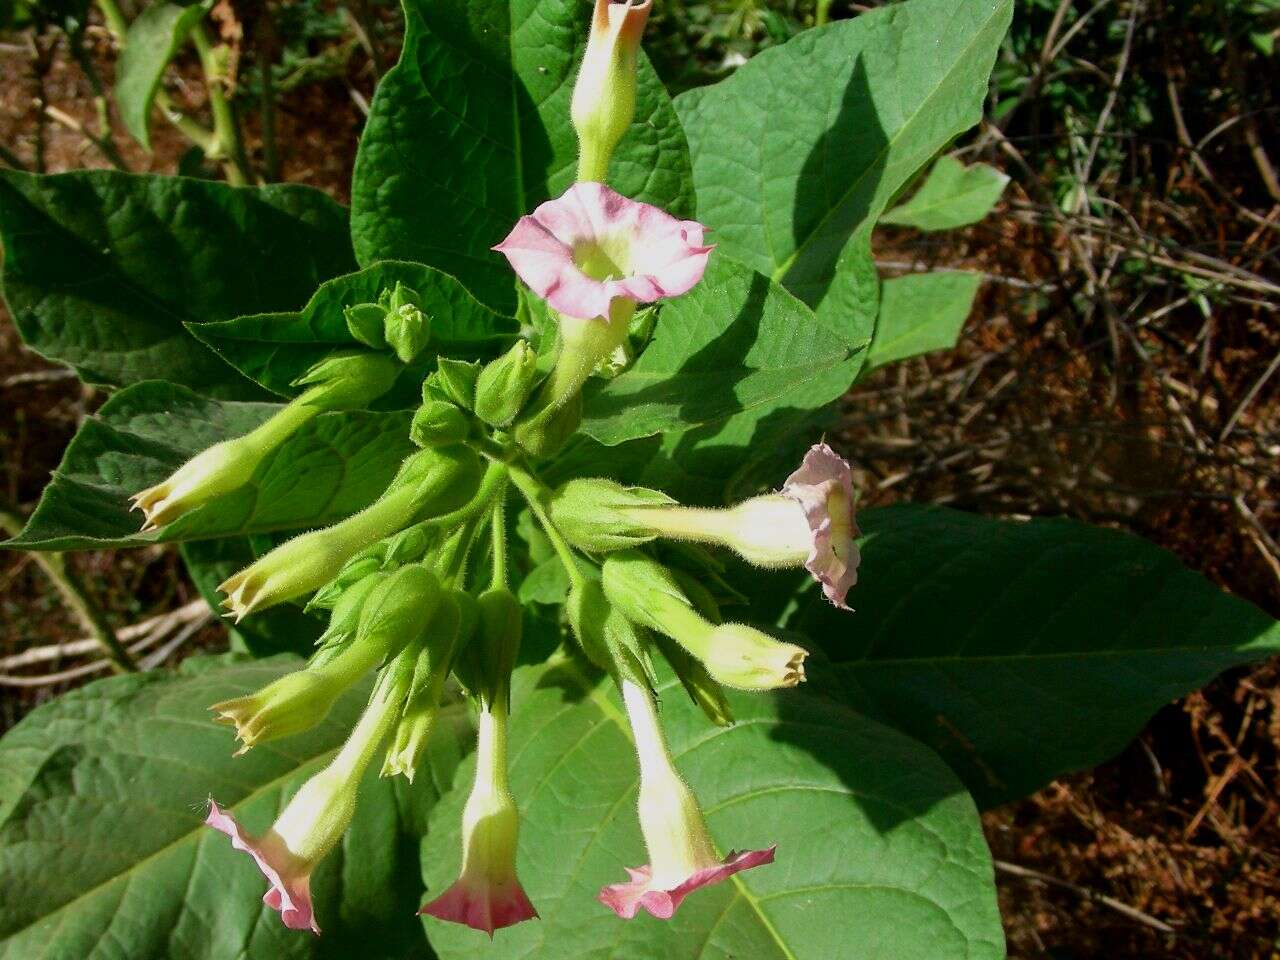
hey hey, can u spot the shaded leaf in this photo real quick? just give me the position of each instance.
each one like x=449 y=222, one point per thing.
x=102 y=270
x=919 y=313
x=736 y=344
x=796 y=155
x=876 y=838
x=154 y=37
x=102 y=798
x=471 y=130
x=1021 y=651
x=275 y=349
x=332 y=467
x=952 y=196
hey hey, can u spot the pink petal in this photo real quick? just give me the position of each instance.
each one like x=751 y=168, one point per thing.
x=625 y=899
x=290 y=891
x=666 y=256
x=482 y=906
x=822 y=473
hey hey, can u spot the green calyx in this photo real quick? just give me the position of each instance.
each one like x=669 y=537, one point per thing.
x=348 y=380
x=395 y=322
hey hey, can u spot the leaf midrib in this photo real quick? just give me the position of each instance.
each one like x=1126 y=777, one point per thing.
x=781 y=271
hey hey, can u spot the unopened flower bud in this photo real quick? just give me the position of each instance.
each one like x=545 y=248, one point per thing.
x=408 y=331
x=454 y=381
x=367 y=323
x=734 y=655
x=348 y=380
x=682 y=855
x=221 y=469
x=604 y=96
x=319 y=813
x=429 y=483
x=438 y=423
x=413 y=730
x=504 y=385
x=592 y=513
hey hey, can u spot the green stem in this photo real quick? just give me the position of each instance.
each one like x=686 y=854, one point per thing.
x=72 y=590
x=226 y=132
x=499 y=521
x=533 y=491
x=823 y=13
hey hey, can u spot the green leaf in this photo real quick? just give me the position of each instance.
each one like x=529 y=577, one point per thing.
x=153 y=39
x=1023 y=650
x=102 y=270
x=282 y=629
x=332 y=467
x=275 y=349
x=796 y=155
x=919 y=313
x=471 y=130
x=102 y=794
x=735 y=343
x=952 y=196
x=880 y=853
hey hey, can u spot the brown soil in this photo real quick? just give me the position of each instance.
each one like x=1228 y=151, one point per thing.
x=1071 y=393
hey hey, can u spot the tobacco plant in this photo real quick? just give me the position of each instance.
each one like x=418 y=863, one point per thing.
x=513 y=486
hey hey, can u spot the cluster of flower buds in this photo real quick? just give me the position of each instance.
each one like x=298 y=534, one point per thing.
x=398 y=578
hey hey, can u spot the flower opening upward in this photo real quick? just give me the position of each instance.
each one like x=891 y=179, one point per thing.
x=591 y=246
x=682 y=857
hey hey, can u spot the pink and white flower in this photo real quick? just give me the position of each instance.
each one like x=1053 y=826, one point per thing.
x=288 y=875
x=823 y=486
x=682 y=856
x=592 y=246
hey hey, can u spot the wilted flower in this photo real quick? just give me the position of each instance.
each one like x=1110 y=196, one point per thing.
x=823 y=486
x=591 y=246
x=682 y=856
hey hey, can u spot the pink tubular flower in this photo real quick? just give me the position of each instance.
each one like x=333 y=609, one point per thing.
x=823 y=486
x=591 y=246
x=681 y=853
x=290 y=877
x=487 y=894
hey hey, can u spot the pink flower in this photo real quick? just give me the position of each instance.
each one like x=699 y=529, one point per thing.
x=483 y=904
x=682 y=856
x=591 y=246
x=625 y=899
x=289 y=876
x=823 y=486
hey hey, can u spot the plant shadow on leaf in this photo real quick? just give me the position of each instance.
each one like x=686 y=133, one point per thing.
x=821 y=224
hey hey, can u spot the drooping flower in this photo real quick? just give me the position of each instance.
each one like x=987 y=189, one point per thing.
x=320 y=812
x=682 y=857
x=823 y=486
x=592 y=246
x=487 y=894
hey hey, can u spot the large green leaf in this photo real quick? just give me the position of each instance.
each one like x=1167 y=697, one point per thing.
x=335 y=465
x=952 y=196
x=103 y=269
x=103 y=853
x=796 y=155
x=154 y=37
x=880 y=853
x=919 y=313
x=1021 y=651
x=471 y=130
x=275 y=349
x=735 y=345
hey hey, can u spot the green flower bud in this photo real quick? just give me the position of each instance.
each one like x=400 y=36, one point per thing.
x=366 y=321
x=347 y=380
x=430 y=673
x=734 y=654
x=592 y=514
x=429 y=483
x=438 y=423
x=453 y=380
x=504 y=385
x=399 y=297
x=408 y=331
